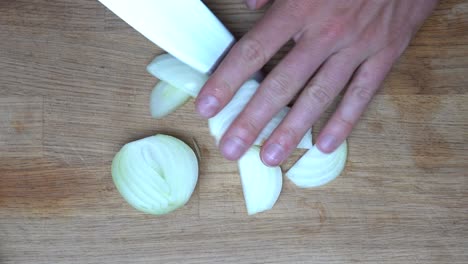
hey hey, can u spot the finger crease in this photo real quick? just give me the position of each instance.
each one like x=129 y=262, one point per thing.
x=362 y=93
x=319 y=95
x=252 y=51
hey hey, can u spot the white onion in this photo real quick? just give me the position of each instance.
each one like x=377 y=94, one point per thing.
x=261 y=184
x=156 y=174
x=165 y=99
x=316 y=168
x=221 y=122
x=178 y=74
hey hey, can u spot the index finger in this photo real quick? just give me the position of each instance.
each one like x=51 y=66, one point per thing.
x=249 y=55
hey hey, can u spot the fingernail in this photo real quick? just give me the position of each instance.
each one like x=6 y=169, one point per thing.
x=251 y=4
x=207 y=106
x=233 y=148
x=274 y=154
x=327 y=143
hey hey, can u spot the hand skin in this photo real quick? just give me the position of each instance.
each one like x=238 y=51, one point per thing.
x=339 y=44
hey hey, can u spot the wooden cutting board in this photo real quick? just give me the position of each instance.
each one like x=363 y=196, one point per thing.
x=73 y=90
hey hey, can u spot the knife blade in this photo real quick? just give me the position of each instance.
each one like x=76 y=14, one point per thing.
x=187 y=29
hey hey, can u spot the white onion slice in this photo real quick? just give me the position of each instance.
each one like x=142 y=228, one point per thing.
x=261 y=184
x=165 y=99
x=156 y=174
x=221 y=122
x=178 y=74
x=316 y=168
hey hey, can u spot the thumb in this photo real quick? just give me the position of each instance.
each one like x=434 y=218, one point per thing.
x=256 y=4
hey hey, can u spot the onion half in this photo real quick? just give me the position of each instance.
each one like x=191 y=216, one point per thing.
x=157 y=174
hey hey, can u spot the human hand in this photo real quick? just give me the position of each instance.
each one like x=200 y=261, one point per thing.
x=339 y=44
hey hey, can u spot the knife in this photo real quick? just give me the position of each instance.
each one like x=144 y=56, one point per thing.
x=187 y=29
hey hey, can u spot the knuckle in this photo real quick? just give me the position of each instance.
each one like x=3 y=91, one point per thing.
x=222 y=89
x=278 y=88
x=362 y=93
x=297 y=8
x=293 y=6
x=247 y=127
x=344 y=122
x=372 y=38
x=252 y=51
x=288 y=137
x=319 y=95
x=226 y=87
x=334 y=30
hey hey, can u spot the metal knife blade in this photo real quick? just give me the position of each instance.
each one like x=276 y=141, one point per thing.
x=187 y=29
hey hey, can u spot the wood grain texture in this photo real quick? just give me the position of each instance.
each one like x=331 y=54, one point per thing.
x=73 y=90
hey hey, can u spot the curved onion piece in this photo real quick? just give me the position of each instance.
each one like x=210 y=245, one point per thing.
x=165 y=99
x=178 y=74
x=221 y=122
x=156 y=174
x=261 y=184
x=316 y=168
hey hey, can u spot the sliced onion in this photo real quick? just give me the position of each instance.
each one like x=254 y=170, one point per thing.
x=152 y=189
x=221 y=122
x=165 y=99
x=178 y=74
x=157 y=174
x=261 y=184
x=316 y=168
